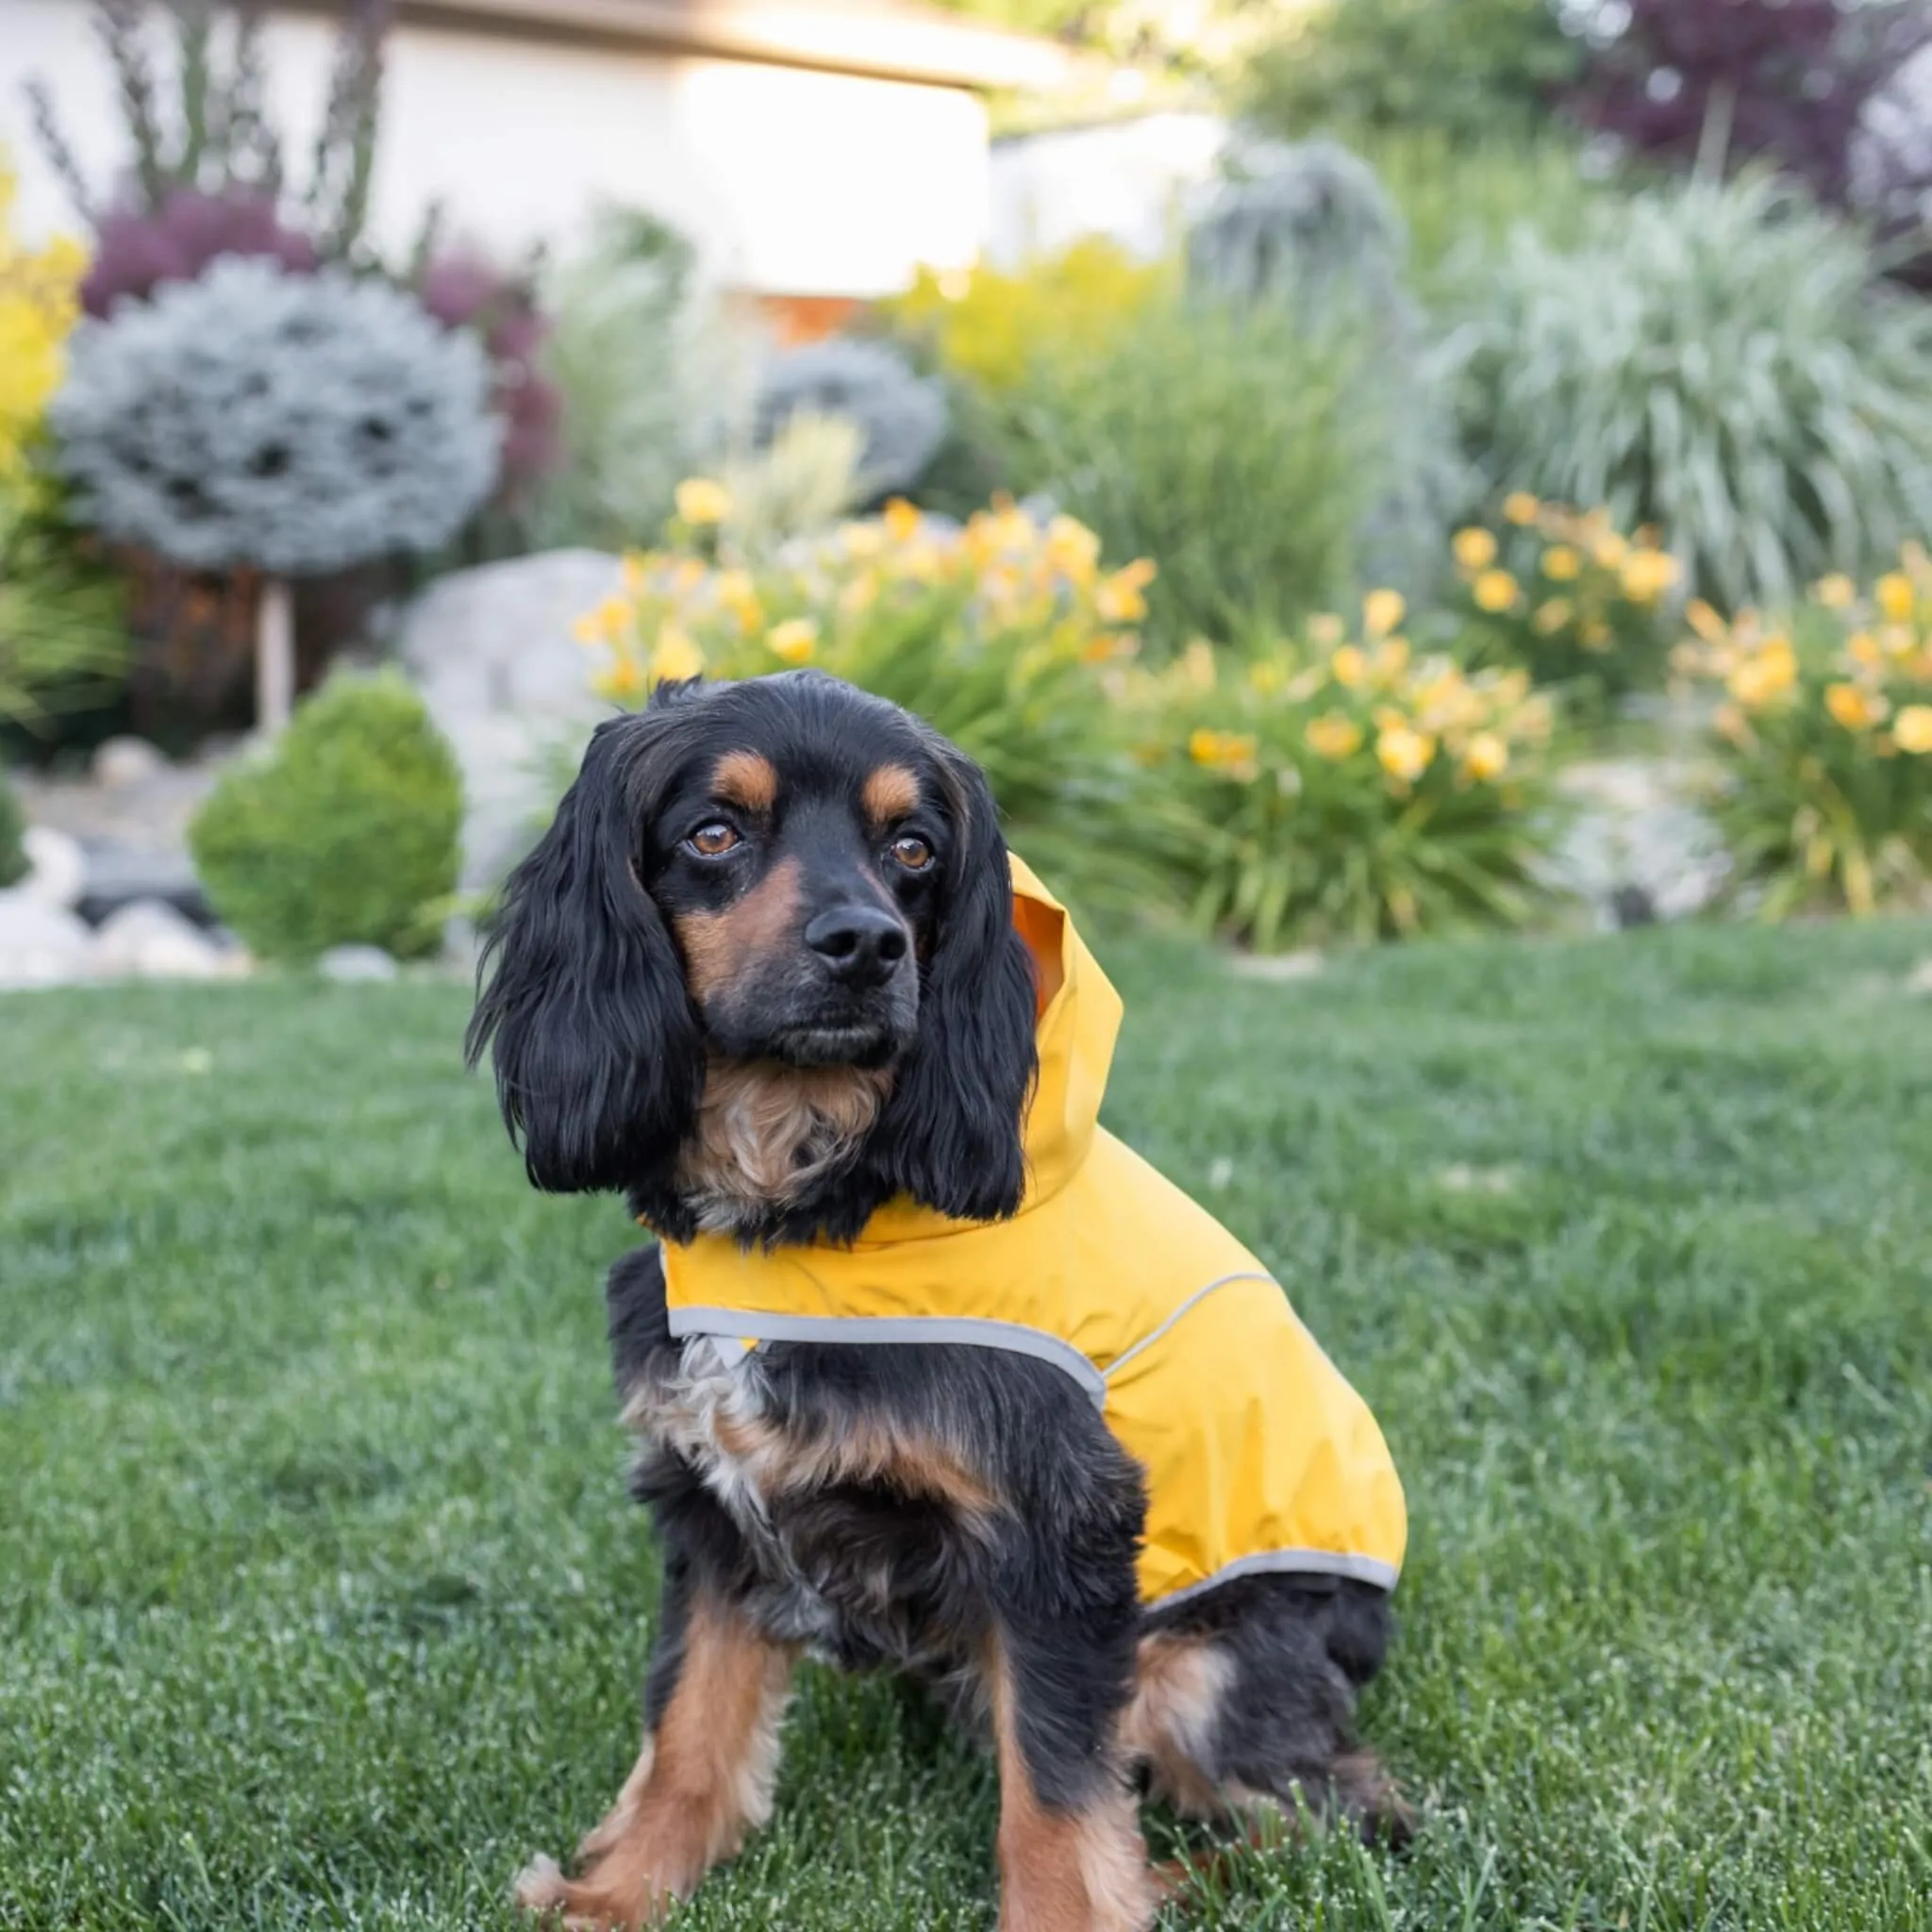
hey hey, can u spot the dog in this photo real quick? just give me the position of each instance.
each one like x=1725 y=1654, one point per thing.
x=908 y=1388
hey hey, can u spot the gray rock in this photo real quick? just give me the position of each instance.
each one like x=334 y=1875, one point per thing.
x=1638 y=850
x=355 y=964
x=493 y=653
x=120 y=874
x=150 y=940
x=121 y=763
x=41 y=944
x=57 y=874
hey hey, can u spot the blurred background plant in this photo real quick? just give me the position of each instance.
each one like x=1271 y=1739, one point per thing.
x=14 y=860
x=1823 y=733
x=1568 y=597
x=1721 y=361
x=1006 y=633
x=900 y=416
x=345 y=833
x=1351 y=790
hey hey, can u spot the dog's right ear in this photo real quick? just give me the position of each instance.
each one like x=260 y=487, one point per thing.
x=599 y=1054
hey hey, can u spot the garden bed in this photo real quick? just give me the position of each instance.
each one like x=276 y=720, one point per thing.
x=322 y=1604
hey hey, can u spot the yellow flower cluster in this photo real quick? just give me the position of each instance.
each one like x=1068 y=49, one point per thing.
x=39 y=303
x=1366 y=702
x=677 y=615
x=988 y=325
x=1590 y=569
x=1865 y=659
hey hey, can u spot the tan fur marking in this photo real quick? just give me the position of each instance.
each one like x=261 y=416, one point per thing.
x=874 y=1451
x=1178 y=1685
x=702 y=1783
x=766 y=1132
x=717 y=945
x=746 y=779
x=890 y=794
x=1065 y=1872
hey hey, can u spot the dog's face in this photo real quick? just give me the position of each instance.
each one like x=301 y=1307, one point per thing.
x=750 y=888
x=802 y=884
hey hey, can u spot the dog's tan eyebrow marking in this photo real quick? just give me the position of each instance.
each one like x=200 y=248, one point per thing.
x=746 y=779
x=890 y=794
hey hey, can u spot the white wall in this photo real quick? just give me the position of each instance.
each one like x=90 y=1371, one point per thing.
x=792 y=181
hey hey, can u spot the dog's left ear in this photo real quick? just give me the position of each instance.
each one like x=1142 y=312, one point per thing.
x=950 y=1136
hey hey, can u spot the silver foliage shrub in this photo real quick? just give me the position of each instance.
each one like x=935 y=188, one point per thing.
x=295 y=422
x=901 y=416
x=1720 y=360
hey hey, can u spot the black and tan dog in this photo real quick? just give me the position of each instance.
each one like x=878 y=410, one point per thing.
x=928 y=1372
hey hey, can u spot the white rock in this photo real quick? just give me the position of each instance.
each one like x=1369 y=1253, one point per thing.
x=495 y=655
x=41 y=944
x=1638 y=848
x=1279 y=967
x=353 y=964
x=57 y=867
x=122 y=762
x=149 y=940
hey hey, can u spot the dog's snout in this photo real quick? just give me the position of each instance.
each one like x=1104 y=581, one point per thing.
x=861 y=945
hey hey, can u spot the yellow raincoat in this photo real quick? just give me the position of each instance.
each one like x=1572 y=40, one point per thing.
x=1258 y=1456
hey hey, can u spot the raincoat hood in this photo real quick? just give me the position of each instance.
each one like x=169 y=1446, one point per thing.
x=1257 y=1452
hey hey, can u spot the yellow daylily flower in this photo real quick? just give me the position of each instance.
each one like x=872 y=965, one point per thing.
x=1897 y=596
x=1475 y=549
x=1521 y=507
x=1333 y=736
x=900 y=519
x=1494 y=591
x=1913 y=730
x=1071 y=548
x=676 y=656
x=1119 y=600
x=1853 y=707
x=1551 y=617
x=701 y=501
x=1350 y=665
x=1647 y=574
x=1836 y=592
x=1383 y=612
x=1404 y=753
x=795 y=641
x=1561 y=564
x=1705 y=620
x=1610 y=550
x=1325 y=631
x=1487 y=757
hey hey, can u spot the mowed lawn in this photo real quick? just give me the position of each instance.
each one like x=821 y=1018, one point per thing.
x=321 y=1603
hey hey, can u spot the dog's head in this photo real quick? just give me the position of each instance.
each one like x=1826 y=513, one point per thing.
x=778 y=899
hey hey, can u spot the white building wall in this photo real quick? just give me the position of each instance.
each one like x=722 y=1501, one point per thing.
x=790 y=181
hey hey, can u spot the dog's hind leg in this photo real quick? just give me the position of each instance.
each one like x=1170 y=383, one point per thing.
x=703 y=1781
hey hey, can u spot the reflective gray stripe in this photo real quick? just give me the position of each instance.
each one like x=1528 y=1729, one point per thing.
x=1307 y=1562
x=1127 y=1354
x=968 y=1330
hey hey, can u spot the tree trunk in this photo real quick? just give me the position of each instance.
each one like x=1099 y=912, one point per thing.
x=274 y=658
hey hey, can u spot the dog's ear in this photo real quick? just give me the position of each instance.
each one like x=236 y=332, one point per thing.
x=599 y=1055
x=950 y=1136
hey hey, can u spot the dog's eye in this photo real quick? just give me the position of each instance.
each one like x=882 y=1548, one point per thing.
x=712 y=841
x=912 y=852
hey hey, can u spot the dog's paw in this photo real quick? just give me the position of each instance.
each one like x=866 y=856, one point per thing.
x=541 y=1888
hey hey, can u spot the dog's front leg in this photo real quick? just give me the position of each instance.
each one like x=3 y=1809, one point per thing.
x=717 y=1692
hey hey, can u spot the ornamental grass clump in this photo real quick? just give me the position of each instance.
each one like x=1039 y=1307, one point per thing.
x=1006 y=633
x=1352 y=788
x=1567 y=596
x=1822 y=734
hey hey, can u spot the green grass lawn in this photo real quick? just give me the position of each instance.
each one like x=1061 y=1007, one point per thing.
x=320 y=1603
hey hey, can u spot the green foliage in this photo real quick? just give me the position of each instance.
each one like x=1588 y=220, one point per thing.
x=1349 y=791
x=325 y=1601
x=1581 y=607
x=1468 y=69
x=13 y=864
x=63 y=642
x=346 y=831
x=1720 y=361
x=1241 y=448
x=1825 y=741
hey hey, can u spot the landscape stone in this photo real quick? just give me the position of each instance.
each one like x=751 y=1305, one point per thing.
x=493 y=653
x=57 y=874
x=150 y=940
x=353 y=964
x=123 y=762
x=41 y=944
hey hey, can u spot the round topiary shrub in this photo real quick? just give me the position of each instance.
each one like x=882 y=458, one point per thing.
x=13 y=865
x=348 y=832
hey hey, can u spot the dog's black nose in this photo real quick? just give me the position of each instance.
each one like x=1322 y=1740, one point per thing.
x=860 y=944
